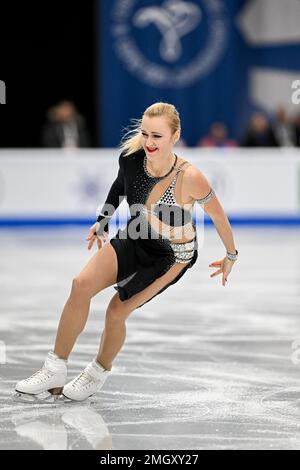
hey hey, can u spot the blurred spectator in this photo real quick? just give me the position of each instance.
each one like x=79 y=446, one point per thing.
x=282 y=128
x=259 y=133
x=65 y=127
x=297 y=131
x=217 y=137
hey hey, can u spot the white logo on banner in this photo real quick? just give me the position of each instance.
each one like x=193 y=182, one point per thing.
x=174 y=20
x=278 y=25
x=278 y=22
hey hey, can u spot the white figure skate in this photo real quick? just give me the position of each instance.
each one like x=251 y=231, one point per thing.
x=45 y=384
x=88 y=382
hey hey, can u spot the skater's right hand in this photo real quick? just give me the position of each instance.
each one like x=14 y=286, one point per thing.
x=101 y=239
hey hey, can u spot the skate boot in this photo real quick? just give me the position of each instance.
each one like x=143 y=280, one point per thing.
x=88 y=382
x=45 y=383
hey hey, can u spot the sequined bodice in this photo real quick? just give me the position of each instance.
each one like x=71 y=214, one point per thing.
x=158 y=209
x=166 y=208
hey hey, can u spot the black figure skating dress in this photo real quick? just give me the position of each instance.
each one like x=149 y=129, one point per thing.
x=148 y=246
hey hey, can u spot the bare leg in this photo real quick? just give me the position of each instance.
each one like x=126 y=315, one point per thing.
x=114 y=333
x=99 y=273
x=112 y=340
x=72 y=323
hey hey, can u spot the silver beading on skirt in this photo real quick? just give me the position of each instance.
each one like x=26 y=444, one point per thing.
x=183 y=252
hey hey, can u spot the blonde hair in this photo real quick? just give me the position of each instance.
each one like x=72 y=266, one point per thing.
x=131 y=141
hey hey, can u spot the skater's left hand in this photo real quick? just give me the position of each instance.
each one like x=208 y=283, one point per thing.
x=102 y=240
x=225 y=266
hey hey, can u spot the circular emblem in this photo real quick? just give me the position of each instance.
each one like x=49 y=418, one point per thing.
x=170 y=43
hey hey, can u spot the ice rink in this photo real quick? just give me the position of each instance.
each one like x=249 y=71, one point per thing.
x=203 y=366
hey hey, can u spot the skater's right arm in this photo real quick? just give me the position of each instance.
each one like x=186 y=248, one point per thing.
x=113 y=200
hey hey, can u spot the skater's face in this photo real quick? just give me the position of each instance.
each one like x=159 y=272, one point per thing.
x=157 y=136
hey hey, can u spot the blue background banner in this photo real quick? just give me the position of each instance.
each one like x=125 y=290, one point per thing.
x=198 y=55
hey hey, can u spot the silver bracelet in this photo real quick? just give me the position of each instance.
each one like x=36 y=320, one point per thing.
x=207 y=198
x=232 y=257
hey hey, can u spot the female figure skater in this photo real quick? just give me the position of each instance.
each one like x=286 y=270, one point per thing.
x=155 y=249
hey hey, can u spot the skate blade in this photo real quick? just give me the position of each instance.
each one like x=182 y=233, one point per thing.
x=72 y=400
x=44 y=397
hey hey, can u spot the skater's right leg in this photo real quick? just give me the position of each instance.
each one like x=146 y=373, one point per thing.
x=99 y=273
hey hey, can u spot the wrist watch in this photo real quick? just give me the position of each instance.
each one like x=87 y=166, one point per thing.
x=232 y=257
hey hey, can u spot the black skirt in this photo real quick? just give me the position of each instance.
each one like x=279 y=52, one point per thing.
x=141 y=262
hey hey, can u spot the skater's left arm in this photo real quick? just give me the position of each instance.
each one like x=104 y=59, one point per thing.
x=201 y=191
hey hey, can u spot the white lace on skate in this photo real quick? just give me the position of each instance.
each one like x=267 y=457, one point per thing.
x=48 y=380
x=88 y=382
x=83 y=380
x=40 y=376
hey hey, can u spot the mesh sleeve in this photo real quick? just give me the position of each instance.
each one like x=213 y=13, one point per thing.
x=114 y=198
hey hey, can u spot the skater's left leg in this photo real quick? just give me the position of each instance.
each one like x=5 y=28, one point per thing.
x=95 y=374
x=114 y=333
